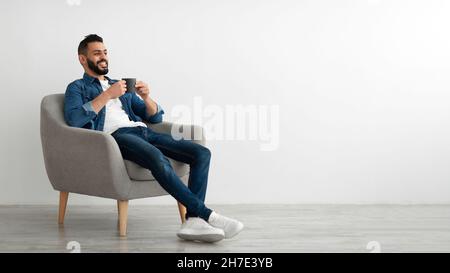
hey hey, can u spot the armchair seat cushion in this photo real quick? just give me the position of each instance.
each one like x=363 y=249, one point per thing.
x=138 y=173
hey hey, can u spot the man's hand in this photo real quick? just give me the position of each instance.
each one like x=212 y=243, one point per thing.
x=142 y=89
x=116 y=90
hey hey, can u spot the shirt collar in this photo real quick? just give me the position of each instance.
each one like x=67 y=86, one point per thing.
x=90 y=79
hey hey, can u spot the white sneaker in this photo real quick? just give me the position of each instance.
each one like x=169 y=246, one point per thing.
x=196 y=228
x=230 y=226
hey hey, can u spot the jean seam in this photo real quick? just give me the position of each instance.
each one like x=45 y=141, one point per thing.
x=176 y=152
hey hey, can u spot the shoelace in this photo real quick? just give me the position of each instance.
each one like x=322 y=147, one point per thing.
x=222 y=221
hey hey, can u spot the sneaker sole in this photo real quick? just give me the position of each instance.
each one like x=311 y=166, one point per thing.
x=209 y=238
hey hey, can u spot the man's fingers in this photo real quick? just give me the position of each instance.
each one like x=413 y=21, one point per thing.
x=141 y=87
x=140 y=83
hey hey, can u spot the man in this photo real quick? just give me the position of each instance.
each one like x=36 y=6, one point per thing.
x=99 y=103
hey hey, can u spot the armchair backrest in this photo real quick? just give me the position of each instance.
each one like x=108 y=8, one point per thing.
x=52 y=120
x=52 y=109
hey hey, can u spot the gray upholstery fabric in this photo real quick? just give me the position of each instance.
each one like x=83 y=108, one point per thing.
x=138 y=173
x=89 y=162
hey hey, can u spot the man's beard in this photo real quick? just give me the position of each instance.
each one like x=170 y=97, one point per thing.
x=96 y=69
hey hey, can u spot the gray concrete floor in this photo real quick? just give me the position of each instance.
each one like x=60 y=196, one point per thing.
x=269 y=228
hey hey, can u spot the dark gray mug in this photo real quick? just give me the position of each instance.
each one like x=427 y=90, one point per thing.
x=131 y=82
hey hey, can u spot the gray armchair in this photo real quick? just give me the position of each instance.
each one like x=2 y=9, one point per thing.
x=89 y=162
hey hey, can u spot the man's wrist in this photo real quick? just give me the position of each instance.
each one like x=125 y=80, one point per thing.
x=106 y=94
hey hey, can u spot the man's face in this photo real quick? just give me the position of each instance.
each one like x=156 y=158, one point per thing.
x=96 y=59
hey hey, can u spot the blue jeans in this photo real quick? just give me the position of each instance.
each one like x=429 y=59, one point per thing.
x=149 y=149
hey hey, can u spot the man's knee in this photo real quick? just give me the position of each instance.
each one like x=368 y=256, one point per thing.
x=203 y=154
x=163 y=164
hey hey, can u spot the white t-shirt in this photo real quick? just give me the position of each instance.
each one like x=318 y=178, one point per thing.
x=116 y=117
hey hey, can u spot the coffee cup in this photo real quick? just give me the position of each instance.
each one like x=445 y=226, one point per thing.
x=131 y=84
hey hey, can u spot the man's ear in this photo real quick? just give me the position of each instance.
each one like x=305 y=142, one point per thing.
x=82 y=59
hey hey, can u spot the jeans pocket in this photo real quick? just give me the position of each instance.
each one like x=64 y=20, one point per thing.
x=144 y=131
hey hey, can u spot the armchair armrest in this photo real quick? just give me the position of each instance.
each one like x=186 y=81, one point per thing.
x=83 y=161
x=194 y=132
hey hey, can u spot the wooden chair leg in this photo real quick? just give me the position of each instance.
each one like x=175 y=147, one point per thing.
x=63 y=196
x=118 y=215
x=123 y=216
x=182 y=210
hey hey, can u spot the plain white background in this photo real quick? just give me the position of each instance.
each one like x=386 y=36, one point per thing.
x=363 y=90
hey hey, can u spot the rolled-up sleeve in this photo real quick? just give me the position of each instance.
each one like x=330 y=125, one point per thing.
x=140 y=109
x=88 y=106
x=77 y=113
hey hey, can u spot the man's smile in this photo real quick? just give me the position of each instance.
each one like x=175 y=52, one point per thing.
x=103 y=64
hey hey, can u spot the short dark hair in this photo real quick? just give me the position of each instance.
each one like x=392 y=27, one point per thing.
x=82 y=47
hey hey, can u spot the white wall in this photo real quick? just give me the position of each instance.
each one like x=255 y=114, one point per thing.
x=363 y=89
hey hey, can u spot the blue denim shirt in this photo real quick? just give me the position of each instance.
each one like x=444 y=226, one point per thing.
x=78 y=110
